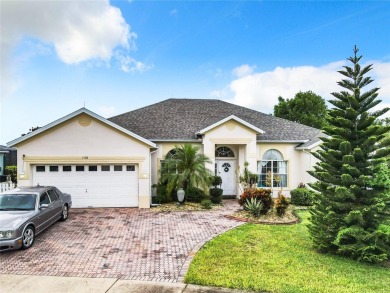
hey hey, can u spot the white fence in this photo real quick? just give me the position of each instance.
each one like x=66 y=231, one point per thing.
x=4 y=186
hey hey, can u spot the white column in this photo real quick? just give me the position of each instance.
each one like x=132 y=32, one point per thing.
x=209 y=151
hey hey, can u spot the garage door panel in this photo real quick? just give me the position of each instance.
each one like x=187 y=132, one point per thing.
x=93 y=187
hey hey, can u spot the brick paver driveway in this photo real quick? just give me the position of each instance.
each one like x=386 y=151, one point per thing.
x=120 y=243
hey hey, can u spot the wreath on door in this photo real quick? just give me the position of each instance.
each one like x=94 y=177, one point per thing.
x=226 y=167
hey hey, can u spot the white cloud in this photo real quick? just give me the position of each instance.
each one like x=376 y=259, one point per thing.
x=243 y=70
x=381 y=74
x=78 y=30
x=174 y=12
x=129 y=64
x=106 y=111
x=261 y=90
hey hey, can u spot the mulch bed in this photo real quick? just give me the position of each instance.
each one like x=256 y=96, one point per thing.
x=271 y=218
x=186 y=207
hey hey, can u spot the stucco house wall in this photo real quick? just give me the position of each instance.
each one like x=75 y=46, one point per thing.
x=242 y=141
x=144 y=136
x=85 y=140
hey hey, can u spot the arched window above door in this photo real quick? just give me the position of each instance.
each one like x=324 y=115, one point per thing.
x=224 y=152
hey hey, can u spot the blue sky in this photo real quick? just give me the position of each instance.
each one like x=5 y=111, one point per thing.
x=117 y=56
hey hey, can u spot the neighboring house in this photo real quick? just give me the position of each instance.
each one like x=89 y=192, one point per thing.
x=113 y=162
x=7 y=157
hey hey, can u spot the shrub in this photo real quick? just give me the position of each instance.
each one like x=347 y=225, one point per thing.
x=216 y=195
x=194 y=194
x=216 y=181
x=302 y=196
x=162 y=195
x=281 y=205
x=206 y=204
x=263 y=195
x=11 y=170
x=253 y=206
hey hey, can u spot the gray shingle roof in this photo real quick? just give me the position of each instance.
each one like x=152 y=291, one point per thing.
x=180 y=119
x=4 y=149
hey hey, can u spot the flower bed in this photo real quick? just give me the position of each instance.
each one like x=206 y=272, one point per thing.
x=270 y=218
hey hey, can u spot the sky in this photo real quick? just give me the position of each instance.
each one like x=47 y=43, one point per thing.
x=116 y=56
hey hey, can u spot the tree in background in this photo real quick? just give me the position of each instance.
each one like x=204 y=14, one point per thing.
x=306 y=108
x=351 y=215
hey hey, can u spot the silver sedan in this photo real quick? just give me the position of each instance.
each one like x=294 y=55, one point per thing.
x=27 y=211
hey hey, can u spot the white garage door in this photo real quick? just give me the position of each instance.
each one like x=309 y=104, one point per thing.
x=92 y=185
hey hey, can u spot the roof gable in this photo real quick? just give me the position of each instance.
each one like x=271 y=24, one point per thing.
x=231 y=117
x=74 y=114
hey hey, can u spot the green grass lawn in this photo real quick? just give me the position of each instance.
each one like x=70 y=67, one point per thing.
x=280 y=259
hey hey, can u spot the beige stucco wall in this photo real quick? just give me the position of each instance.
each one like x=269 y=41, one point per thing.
x=298 y=163
x=232 y=133
x=242 y=140
x=85 y=140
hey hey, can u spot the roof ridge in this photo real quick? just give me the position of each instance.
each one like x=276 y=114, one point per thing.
x=272 y=116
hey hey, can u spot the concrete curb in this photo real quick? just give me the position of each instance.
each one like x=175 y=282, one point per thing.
x=54 y=284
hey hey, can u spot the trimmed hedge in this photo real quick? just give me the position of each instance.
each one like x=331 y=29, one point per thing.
x=194 y=194
x=216 y=181
x=12 y=171
x=161 y=194
x=216 y=195
x=302 y=196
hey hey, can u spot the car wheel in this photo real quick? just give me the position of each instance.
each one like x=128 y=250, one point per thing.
x=64 y=213
x=28 y=237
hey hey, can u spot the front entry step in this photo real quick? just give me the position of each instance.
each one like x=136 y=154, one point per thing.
x=229 y=196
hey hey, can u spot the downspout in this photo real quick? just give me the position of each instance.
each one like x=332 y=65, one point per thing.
x=305 y=151
x=150 y=179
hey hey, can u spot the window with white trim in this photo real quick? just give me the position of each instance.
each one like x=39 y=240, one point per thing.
x=169 y=165
x=272 y=168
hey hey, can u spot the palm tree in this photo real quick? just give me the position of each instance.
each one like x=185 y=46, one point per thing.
x=187 y=169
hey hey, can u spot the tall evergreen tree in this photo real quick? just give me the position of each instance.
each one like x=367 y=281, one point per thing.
x=350 y=213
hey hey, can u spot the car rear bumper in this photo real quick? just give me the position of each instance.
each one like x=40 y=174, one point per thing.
x=10 y=244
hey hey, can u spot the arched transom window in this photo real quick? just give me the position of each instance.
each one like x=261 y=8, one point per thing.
x=272 y=170
x=171 y=155
x=169 y=165
x=224 y=152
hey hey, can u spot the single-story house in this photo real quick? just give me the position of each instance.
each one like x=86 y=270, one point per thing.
x=113 y=162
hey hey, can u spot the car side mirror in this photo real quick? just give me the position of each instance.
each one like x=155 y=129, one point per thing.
x=44 y=206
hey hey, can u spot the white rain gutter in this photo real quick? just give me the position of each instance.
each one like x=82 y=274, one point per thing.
x=150 y=179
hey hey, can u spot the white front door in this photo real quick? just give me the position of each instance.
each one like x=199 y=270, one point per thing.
x=226 y=169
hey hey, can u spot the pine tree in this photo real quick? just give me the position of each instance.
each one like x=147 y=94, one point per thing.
x=351 y=215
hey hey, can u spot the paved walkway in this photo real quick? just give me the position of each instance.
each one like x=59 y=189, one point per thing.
x=126 y=244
